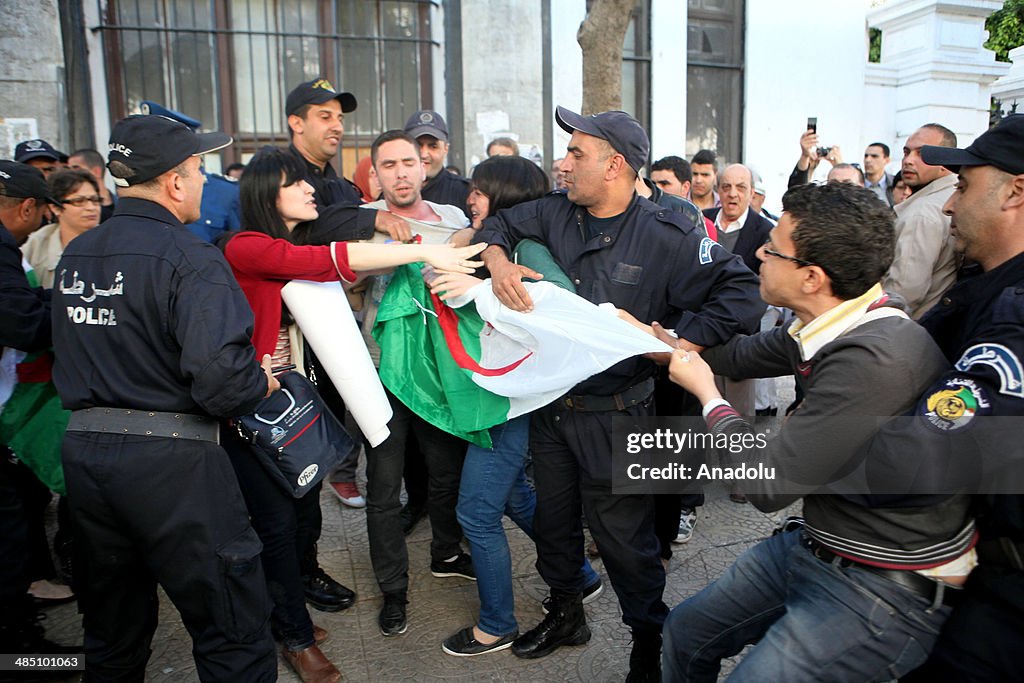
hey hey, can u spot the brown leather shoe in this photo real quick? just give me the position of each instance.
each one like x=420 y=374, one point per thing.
x=319 y=635
x=312 y=666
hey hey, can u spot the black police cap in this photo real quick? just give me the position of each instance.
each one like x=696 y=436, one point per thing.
x=619 y=129
x=143 y=147
x=22 y=181
x=426 y=122
x=1001 y=146
x=317 y=92
x=37 y=149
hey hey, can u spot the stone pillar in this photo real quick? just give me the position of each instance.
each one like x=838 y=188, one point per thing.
x=932 y=55
x=1009 y=89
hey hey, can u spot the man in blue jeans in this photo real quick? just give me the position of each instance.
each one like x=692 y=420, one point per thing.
x=861 y=591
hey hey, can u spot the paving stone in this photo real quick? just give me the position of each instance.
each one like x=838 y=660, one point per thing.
x=440 y=607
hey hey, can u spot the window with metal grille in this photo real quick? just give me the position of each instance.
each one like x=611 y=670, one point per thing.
x=231 y=63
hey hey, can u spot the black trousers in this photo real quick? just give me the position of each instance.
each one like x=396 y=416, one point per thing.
x=151 y=511
x=16 y=609
x=981 y=641
x=573 y=469
x=285 y=525
x=444 y=455
x=672 y=400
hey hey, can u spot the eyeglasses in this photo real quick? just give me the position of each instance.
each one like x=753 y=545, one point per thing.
x=79 y=202
x=799 y=261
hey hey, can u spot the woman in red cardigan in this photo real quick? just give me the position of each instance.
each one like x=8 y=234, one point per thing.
x=274 y=200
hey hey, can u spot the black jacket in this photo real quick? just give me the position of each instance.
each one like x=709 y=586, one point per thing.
x=148 y=316
x=24 y=310
x=337 y=200
x=447 y=188
x=753 y=234
x=657 y=266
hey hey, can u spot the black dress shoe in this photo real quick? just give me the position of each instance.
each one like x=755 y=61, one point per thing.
x=565 y=624
x=326 y=594
x=391 y=619
x=464 y=644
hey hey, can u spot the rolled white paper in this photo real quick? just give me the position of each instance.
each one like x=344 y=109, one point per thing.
x=322 y=312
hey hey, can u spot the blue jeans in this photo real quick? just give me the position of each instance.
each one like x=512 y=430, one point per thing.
x=811 y=620
x=494 y=484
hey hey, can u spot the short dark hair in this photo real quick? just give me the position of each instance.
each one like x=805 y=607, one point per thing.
x=885 y=147
x=845 y=230
x=679 y=166
x=705 y=156
x=855 y=167
x=948 y=136
x=898 y=177
x=504 y=142
x=507 y=181
x=64 y=183
x=391 y=136
x=265 y=175
x=91 y=157
x=234 y=167
x=301 y=113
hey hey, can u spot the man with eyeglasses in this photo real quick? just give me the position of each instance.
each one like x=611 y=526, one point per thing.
x=856 y=592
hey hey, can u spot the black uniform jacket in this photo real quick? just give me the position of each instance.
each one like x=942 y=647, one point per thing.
x=148 y=316
x=447 y=188
x=657 y=266
x=24 y=310
x=337 y=200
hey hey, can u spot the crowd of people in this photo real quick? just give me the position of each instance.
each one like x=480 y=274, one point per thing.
x=881 y=295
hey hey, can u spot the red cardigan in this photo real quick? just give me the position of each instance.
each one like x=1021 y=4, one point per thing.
x=263 y=265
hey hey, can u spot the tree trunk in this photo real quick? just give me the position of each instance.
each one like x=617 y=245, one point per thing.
x=601 y=36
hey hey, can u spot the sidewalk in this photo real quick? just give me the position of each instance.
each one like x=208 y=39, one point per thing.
x=439 y=607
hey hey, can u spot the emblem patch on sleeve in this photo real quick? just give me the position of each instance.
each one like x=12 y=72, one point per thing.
x=705 y=250
x=955 y=404
x=1000 y=358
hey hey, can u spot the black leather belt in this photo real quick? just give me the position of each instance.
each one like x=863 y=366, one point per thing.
x=145 y=423
x=632 y=396
x=937 y=592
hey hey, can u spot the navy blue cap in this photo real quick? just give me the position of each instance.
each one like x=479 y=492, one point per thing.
x=1001 y=146
x=317 y=92
x=619 y=129
x=149 y=107
x=22 y=181
x=426 y=122
x=37 y=149
x=143 y=147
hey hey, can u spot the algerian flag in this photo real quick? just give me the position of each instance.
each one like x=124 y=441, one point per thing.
x=32 y=421
x=468 y=368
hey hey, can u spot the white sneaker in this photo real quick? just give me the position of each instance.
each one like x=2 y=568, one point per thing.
x=687 y=520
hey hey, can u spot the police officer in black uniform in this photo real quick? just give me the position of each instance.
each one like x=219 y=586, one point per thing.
x=979 y=325
x=316 y=118
x=151 y=336
x=657 y=265
x=24 y=327
x=442 y=186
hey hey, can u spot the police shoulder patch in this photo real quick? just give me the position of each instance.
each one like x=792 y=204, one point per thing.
x=955 y=404
x=705 y=250
x=1002 y=360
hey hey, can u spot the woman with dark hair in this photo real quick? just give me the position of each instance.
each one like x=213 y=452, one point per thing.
x=274 y=199
x=494 y=480
x=498 y=183
x=77 y=209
